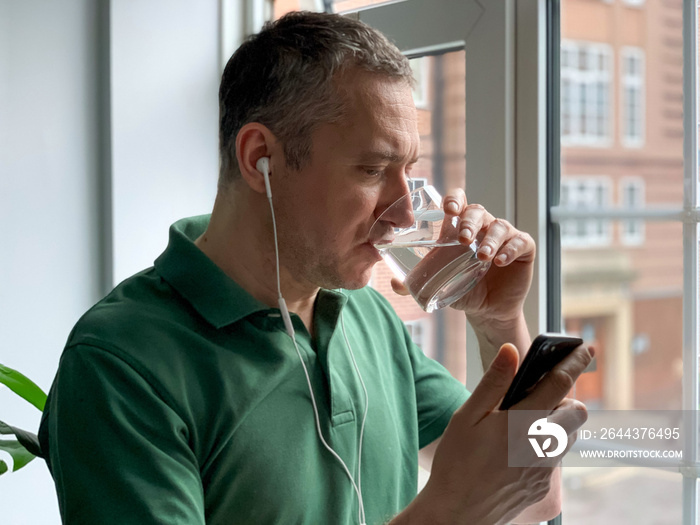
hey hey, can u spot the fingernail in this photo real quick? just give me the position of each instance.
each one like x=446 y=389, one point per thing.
x=486 y=250
x=452 y=207
x=466 y=233
x=501 y=258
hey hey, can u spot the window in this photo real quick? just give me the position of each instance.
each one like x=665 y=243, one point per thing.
x=585 y=193
x=632 y=60
x=632 y=197
x=635 y=298
x=633 y=290
x=416 y=182
x=421 y=74
x=419 y=329
x=585 y=93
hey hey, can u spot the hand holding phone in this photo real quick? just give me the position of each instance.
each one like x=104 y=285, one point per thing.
x=545 y=352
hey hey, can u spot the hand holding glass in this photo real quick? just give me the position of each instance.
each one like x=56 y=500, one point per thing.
x=421 y=246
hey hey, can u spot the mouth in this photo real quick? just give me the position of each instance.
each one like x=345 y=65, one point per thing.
x=381 y=232
x=369 y=247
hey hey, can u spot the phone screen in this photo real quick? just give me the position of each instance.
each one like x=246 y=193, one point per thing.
x=546 y=351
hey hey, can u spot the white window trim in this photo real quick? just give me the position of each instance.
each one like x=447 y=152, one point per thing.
x=640 y=82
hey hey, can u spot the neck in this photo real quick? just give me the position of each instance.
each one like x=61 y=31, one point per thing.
x=239 y=240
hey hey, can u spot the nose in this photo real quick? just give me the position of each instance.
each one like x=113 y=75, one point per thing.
x=398 y=206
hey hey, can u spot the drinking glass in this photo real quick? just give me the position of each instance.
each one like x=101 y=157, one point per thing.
x=421 y=246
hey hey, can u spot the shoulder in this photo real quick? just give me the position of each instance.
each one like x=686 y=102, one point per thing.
x=136 y=322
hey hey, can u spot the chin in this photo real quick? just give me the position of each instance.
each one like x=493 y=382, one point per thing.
x=357 y=281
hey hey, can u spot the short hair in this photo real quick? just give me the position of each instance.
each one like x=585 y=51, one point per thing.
x=283 y=78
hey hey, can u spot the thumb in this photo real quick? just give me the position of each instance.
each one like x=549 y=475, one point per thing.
x=399 y=287
x=494 y=385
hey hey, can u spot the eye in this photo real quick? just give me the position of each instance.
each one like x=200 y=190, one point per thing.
x=373 y=171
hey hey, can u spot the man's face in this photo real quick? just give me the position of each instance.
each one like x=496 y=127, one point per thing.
x=357 y=169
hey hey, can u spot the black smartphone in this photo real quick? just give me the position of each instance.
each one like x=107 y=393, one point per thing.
x=545 y=352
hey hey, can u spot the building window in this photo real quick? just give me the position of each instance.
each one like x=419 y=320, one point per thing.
x=419 y=330
x=420 y=65
x=632 y=60
x=587 y=193
x=585 y=93
x=631 y=197
x=417 y=182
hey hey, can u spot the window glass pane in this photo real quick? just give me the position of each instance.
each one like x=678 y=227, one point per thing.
x=622 y=280
x=441 y=119
x=621 y=495
x=636 y=103
x=626 y=299
x=439 y=97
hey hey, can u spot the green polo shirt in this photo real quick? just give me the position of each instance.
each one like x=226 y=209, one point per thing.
x=180 y=399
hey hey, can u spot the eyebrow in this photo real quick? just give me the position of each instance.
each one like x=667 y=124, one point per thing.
x=385 y=155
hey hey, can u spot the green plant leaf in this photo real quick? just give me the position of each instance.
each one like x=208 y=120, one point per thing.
x=23 y=386
x=3 y=467
x=27 y=439
x=20 y=455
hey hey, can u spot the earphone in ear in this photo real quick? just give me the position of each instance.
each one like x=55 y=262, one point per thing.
x=263 y=166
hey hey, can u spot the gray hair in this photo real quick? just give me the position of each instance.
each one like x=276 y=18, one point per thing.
x=283 y=78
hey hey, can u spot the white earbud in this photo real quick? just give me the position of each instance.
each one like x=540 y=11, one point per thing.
x=263 y=166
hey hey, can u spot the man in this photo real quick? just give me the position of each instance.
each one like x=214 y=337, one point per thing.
x=181 y=398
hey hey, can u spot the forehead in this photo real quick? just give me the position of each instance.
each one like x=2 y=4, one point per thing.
x=377 y=109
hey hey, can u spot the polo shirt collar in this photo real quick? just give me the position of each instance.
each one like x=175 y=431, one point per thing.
x=212 y=293
x=217 y=297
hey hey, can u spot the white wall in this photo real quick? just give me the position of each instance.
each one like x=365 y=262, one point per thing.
x=163 y=163
x=165 y=77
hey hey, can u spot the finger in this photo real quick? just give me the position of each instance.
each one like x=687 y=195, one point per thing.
x=570 y=416
x=474 y=217
x=399 y=287
x=497 y=233
x=494 y=384
x=519 y=247
x=558 y=382
x=454 y=201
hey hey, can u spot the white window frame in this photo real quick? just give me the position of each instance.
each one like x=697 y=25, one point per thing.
x=638 y=83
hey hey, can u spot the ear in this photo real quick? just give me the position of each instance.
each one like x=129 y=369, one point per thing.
x=253 y=141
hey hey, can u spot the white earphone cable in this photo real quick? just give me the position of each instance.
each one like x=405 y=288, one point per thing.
x=290 y=332
x=364 y=416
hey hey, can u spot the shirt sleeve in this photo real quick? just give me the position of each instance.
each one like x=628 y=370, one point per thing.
x=117 y=450
x=438 y=393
